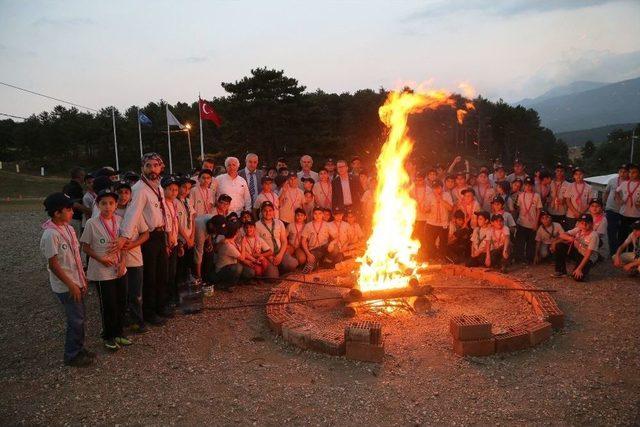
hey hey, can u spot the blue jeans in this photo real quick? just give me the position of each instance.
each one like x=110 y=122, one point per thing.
x=74 y=337
x=134 y=279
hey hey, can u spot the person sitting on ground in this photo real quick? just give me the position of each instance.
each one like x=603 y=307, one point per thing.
x=546 y=234
x=294 y=235
x=480 y=240
x=499 y=244
x=231 y=266
x=255 y=250
x=579 y=244
x=342 y=231
x=316 y=236
x=59 y=245
x=274 y=232
x=357 y=240
x=267 y=194
x=629 y=261
x=327 y=215
x=600 y=226
x=459 y=240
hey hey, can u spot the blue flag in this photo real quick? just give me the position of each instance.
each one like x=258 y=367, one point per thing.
x=144 y=120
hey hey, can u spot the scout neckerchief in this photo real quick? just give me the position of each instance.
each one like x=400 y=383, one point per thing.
x=465 y=208
x=579 y=194
x=69 y=236
x=185 y=202
x=579 y=237
x=204 y=195
x=251 y=246
x=483 y=194
x=158 y=194
x=112 y=232
x=500 y=238
x=276 y=248
x=480 y=237
x=272 y=199
x=173 y=215
x=631 y=192
x=527 y=209
x=296 y=240
x=295 y=201
x=327 y=197
x=317 y=231
x=544 y=194
x=556 y=190
x=596 y=222
x=551 y=233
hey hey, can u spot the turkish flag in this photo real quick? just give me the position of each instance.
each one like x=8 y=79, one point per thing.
x=208 y=113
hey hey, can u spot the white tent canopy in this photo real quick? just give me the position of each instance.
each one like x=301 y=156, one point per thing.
x=601 y=179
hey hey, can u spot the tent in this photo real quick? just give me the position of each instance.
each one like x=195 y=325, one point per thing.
x=599 y=183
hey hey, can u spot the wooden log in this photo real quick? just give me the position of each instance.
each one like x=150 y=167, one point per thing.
x=420 y=304
x=351 y=309
x=355 y=295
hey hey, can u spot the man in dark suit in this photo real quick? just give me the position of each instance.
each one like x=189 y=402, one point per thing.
x=252 y=175
x=346 y=189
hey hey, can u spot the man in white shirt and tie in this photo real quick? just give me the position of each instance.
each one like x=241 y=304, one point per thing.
x=147 y=199
x=252 y=175
x=234 y=185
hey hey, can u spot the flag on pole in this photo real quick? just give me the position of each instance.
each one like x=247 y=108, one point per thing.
x=208 y=113
x=143 y=119
x=172 y=121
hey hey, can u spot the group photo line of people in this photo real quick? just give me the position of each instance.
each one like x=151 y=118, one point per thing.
x=137 y=237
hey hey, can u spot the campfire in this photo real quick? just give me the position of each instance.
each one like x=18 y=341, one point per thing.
x=389 y=269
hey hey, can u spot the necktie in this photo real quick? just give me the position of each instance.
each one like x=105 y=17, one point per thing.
x=252 y=187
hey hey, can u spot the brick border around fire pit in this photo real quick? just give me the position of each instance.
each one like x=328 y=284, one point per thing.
x=296 y=330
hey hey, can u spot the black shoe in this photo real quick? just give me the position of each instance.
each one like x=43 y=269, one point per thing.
x=167 y=313
x=155 y=320
x=88 y=353
x=80 y=361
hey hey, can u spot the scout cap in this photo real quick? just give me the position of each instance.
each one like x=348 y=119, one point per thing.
x=168 y=180
x=224 y=198
x=636 y=225
x=56 y=201
x=122 y=184
x=266 y=204
x=596 y=201
x=107 y=192
x=205 y=172
x=484 y=214
x=497 y=217
x=498 y=199
x=586 y=218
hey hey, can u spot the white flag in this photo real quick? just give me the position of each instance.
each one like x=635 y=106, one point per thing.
x=172 y=121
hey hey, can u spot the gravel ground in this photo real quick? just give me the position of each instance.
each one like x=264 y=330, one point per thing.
x=227 y=367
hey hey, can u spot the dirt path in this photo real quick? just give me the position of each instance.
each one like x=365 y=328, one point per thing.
x=227 y=368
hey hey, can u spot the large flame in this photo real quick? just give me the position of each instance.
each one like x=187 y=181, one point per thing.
x=390 y=259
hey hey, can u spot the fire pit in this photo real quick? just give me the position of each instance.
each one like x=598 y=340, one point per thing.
x=387 y=279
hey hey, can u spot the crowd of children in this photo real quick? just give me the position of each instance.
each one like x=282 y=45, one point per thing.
x=144 y=235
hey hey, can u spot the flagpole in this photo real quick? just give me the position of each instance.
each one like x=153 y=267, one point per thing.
x=201 y=138
x=115 y=138
x=140 y=134
x=169 y=139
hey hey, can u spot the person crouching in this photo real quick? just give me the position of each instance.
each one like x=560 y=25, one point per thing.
x=580 y=244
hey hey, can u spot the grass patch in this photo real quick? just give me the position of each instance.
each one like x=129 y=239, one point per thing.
x=21 y=186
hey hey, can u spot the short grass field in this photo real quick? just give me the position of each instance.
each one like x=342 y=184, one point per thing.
x=19 y=187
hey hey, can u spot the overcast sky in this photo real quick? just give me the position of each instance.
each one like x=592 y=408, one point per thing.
x=132 y=52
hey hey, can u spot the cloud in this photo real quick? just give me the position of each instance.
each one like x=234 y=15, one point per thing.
x=504 y=8
x=62 y=22
x=195 y=59
x=579 y=65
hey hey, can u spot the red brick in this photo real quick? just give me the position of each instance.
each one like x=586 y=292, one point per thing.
x=513 y=340
x=364 y=331
x=539 y=331
x=364 y=352
x=474 y=348
x=470 y=327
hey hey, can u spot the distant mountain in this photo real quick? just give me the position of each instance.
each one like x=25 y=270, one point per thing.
x=575 y=87
x=579 y=137
x=602 y=106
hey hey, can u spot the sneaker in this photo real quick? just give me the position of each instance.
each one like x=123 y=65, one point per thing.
x=156 y=320
x=122 y=341
x=80 y=361
x=139 y=328
x=308 y=268
x=111 y=345
x=558 y=274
